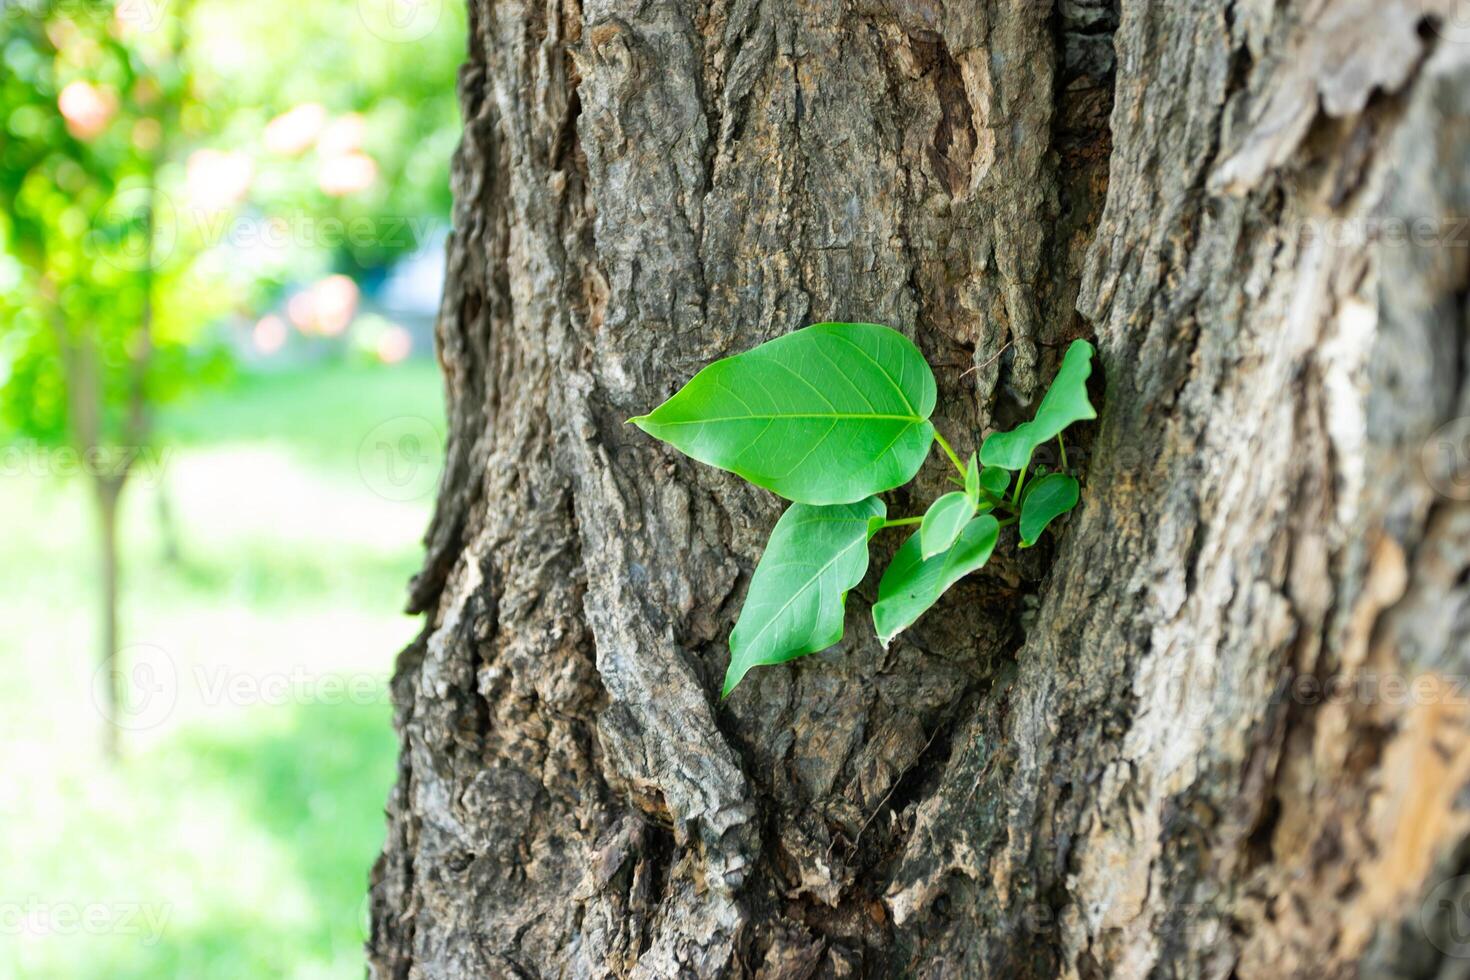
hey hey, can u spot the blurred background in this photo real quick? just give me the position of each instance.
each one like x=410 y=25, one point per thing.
x=221 y=251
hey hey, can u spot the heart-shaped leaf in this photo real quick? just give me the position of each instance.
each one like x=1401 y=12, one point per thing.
x=912 y=584
x=1047 y=499
x=799 y=589
x=995 y=481
x=944 y=521
x=829 y=414
x=1065 y=402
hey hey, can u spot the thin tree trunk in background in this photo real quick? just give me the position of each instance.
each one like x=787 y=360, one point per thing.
x=168 y=525
x=81 y=364
x=108 y=494
x=1103 y=757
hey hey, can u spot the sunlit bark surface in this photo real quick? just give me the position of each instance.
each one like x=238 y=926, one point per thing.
x=1142 y=749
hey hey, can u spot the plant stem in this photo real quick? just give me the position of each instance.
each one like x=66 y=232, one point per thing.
x=1008 y=521
x=1063 y=447
x=949 y=452
x=903 y=522
x=1020 y=482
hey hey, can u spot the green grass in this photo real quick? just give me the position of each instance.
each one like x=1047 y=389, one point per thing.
x=235 y=838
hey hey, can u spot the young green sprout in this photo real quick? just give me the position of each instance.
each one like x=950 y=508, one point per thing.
x=829 y=417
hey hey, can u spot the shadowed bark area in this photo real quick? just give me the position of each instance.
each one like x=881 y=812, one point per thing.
x=1101 y=757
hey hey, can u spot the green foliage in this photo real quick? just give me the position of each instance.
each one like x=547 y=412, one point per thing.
x=913 y=583
x=826 y=415
x=81 y=268
x=829 y=416
x=338 y=55
x=994 y=481
x=1064 y=403
x=172 y=85
x=944 y=520
x=798 y=591
x=1046 y=499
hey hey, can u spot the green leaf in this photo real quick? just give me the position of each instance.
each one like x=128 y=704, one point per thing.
x=1065 y=402
x=797 y=594
x=972 y=478
x=944 y=521
x=829 y=414
x=1046 y=499
x=912 y=584
x=995 y=480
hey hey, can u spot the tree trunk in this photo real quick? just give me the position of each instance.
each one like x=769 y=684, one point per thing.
x=110 y=667
x=171 y=551
x=1175 y=743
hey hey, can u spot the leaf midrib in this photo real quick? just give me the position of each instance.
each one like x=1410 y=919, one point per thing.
x=855 y=416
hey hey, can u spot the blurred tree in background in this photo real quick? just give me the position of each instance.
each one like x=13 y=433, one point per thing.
x=92 y=112
x=173 y=171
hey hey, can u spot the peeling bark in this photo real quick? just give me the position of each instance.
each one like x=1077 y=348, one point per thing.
x=1103 y=757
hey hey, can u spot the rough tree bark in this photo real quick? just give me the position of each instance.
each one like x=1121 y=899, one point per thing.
x=1104 y=758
